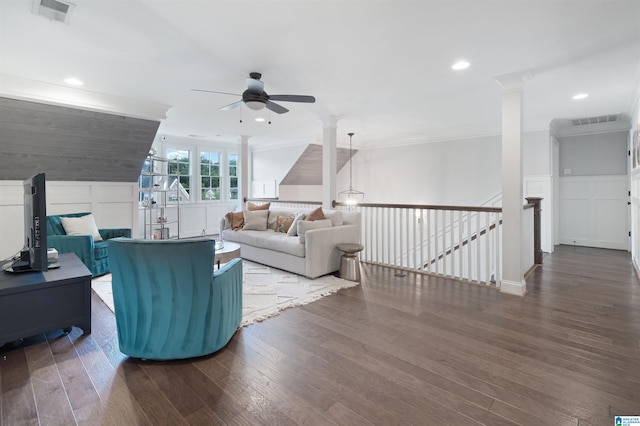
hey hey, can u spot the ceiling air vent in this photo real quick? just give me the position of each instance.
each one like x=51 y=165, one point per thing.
x=595 y=120
x=53 y=10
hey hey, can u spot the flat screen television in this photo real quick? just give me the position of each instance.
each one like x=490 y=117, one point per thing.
x=33 y=256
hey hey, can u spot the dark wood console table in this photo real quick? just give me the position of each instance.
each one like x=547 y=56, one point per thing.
x=37 y=302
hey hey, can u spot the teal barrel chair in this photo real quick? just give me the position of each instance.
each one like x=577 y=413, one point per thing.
x=170 y=302
x=94 y=254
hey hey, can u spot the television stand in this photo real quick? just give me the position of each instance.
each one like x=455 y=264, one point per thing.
x=37 y=302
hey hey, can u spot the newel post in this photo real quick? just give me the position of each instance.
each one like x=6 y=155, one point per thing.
x=537 y=243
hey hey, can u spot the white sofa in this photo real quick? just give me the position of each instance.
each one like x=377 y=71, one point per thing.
x=313 y=255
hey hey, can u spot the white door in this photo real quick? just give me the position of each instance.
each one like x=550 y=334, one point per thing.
x=594 y=211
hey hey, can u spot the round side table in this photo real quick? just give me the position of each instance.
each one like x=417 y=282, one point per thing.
x=349 y=263
x=226 y=253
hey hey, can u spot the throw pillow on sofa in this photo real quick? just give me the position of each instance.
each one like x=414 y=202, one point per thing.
x=235 y=220
x=83 y=225
x=254 y=207
x=306 y=225
x=284 y=223
x=255 y=220
x=316 y=214
x=336 y=216
x=293 y=229
x=272 y=221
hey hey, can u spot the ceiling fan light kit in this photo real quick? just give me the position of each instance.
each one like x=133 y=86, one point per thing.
x=255 y=105
x=255 y=98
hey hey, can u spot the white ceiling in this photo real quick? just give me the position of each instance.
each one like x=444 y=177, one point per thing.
x=382 y=68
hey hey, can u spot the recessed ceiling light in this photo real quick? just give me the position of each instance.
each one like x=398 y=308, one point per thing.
x=460 y=65
x=73 y=81
x=260 y=119
x=579 y=96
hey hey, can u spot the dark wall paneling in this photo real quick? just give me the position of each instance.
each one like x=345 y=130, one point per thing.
x=70 y=144
x=307 y=170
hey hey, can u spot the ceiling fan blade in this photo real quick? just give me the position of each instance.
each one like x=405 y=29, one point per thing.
x=213 y=91
x=293 y=98
x=231 y=106
x=276 y=108
x=255 y=86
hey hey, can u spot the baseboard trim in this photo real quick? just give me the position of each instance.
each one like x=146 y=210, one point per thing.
x=513 y=287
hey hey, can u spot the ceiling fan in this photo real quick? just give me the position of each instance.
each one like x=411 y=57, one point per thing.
x=256 y=98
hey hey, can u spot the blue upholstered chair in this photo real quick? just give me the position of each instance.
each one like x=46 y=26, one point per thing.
x=93 y=254
x=169 y=301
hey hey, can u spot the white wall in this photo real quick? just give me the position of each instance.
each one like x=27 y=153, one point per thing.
x=274 y=164
x=594 y=154
x=114 y=205
x=301 y=192
x=537 y=153
x=459 y=172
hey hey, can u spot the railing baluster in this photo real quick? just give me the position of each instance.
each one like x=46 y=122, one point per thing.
x=498 y=262
x=421 y=240
x=461 y=246
x=436 y=227
x=487 y=259
x=478 y=251
x=452 y=243
x=469 y=247
x=429 y=242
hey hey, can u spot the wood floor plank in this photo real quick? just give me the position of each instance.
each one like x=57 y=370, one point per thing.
x=18 y=401
x=342 y=415
x=49 y=392
x=174 y=389
x=375 y=388
x=324 y=389
x=435 y=360
x=117 y=403
x=153 y=402
x=77 y=383
x=267 y=363
x=226 y=407
x=285 y=401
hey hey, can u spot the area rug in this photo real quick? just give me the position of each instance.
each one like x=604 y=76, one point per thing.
x=266 y=291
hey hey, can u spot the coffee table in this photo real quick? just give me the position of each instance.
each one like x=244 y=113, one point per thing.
x=226 y=253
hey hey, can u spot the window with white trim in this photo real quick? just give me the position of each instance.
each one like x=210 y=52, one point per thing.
x=179 y=171
x=233 y=176
x=209 y=176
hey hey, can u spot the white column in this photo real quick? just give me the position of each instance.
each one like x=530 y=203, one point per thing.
x=513 y=281
x=243 y=177
x=329 y=160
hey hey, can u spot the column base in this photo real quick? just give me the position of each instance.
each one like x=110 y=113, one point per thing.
x=513 y=287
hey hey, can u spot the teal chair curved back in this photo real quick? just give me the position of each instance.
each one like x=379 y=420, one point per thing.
x=169 y=303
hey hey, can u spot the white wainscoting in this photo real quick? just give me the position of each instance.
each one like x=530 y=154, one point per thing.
x=113 y=204
x=594 y=211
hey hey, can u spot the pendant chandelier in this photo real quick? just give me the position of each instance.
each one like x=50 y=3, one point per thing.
x=351 y=197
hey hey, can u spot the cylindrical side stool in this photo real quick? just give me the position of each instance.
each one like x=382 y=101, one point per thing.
x=349 y=263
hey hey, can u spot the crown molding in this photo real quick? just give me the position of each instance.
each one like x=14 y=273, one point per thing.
x=57 y=94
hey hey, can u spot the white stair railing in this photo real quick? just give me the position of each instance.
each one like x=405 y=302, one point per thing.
x=454 y=241
x=461 y=242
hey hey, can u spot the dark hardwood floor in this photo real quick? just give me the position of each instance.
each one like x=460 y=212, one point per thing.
x=396 y=350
